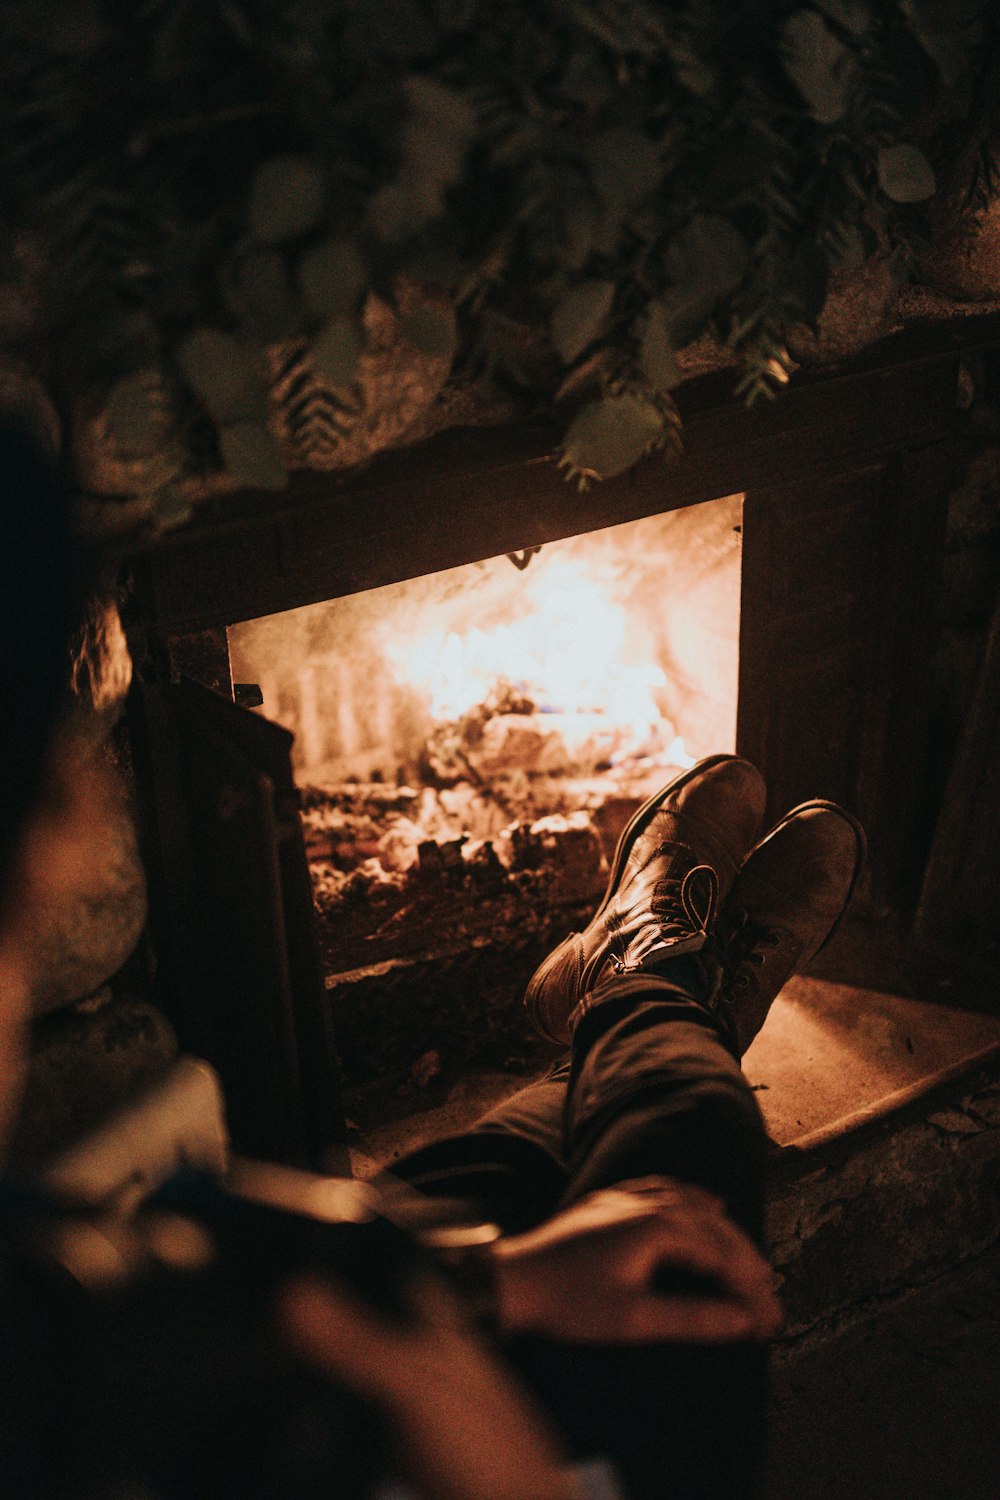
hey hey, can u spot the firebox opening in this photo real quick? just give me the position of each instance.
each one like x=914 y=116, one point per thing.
x=529 y=699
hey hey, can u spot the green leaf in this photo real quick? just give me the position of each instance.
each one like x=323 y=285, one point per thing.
x=818 y=64
x=854 y=15
x=66 y=28
x=580 y=316
x=172 y=507
x=332 y=277
x=656 y=354
x=450 y=114
x=625 y=166
x=337 y=349
x=287 y=198
x=943 y=41
x=257 y=291
x=705 y=261
x=608 y=436
x=905 y=175
x=431 y=331
x=131 y=415
x=252 y=456
x=224 y=374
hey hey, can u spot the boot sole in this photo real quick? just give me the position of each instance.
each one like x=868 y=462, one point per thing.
x=860 y=855
x=633 y=830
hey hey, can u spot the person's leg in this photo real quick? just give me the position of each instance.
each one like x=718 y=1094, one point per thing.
x=509 y=1167
x=654 y=1088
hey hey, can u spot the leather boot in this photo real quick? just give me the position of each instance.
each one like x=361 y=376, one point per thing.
x=674 y=864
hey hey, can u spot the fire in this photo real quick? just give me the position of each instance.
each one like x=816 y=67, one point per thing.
x=568 y=648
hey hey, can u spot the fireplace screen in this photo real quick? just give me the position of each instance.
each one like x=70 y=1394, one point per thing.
x=489 y=729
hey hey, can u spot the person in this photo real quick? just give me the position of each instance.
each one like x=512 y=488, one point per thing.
x=630 y=1303
x=629 y=1183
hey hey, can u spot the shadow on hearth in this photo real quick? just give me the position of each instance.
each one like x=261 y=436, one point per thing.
x=902 y=1407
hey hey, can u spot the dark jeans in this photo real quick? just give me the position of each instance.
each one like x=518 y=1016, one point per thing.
x=650 y=1086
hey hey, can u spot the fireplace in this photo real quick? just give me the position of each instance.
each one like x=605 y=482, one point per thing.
x=506 y=715
x=468 y=780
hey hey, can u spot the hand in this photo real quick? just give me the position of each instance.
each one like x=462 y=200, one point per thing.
x=466 y=1430
x=588 y=1275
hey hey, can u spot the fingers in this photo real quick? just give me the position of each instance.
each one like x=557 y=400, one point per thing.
x=683 y=1320
x=689 y=1228
x=706 y=1241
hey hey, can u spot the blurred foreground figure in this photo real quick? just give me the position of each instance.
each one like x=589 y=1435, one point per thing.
x=600 y=1330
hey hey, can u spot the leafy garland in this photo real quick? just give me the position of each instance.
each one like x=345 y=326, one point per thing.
x=196 y=179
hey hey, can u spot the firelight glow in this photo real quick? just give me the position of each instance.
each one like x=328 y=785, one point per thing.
x=568 y=651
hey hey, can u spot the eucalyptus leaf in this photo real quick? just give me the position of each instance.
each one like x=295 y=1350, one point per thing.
x=449 y=112
x=332 y=277
x=946 y=53
x=431 y=331
x=693 y=73
x=131 y=416
x=172 y=507
x=578 y=319
x=854 y=15
x=259 y=294
x=337 y=349
x=251 y=455
x=942 y=15
x=656 y=354
x=608 y=436
x=625 y=165
x=905 y=175
x=65 y=28
x=224 y=374
x=818 y=64
x=705 y=261
x=287 y=198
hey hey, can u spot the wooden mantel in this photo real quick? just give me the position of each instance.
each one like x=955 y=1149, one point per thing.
x=474 y=493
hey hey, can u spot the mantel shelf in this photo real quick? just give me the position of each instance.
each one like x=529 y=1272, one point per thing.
x=478 y=492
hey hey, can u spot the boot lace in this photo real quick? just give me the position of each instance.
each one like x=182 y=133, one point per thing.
x=743 y=943
x=682 y=905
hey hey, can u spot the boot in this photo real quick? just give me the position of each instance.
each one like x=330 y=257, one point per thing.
x=785 y=905
x=674 y=864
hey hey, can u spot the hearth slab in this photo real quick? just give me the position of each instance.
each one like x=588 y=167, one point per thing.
x=831 y=1054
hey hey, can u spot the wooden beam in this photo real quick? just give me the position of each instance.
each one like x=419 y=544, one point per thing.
x=475 y=493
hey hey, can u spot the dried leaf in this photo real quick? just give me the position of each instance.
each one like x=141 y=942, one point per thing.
x=287 y=198
x=905 y=175
x=579 y=317
x=252 y=456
